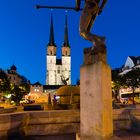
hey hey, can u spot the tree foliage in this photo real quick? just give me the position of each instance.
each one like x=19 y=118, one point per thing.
x=132 y=79
x=117 y=83
x=4 y=82
x=17 y=91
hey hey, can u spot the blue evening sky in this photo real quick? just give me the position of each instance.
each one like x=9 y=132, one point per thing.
x=24 y=34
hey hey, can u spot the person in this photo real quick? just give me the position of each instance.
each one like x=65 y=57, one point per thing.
x=92 y=8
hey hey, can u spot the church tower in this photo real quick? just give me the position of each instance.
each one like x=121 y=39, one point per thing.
x=58 y=71
x=51 y=57
x=66 y=56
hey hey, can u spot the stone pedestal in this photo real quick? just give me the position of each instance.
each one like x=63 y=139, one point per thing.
x=96 y=121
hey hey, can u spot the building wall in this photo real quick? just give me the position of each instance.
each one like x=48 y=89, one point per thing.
x=55 y=72
x=58 y=75
x=66 y=68
x=36 y=89
x=14 y=79
x=51 y=70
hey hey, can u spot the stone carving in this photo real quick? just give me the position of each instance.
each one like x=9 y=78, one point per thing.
x=64 y=80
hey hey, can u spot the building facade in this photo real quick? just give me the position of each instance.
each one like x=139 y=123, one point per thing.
x=125 y=92
x=130 y=63
x=58 y=71
x=14 y=77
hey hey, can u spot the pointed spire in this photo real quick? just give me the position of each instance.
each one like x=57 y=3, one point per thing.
x=66 y=39
x=51 y=39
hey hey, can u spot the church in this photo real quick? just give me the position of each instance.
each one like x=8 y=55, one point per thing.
x=58 y=71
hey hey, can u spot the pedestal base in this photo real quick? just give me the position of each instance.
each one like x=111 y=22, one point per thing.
x=95 y=98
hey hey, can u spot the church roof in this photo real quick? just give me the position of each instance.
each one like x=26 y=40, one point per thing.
x=51 y=39
x=58 y=61
x=66 y=39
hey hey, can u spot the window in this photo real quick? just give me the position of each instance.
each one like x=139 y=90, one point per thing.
x=58 y=71
x=50 y=52
x=36 y=90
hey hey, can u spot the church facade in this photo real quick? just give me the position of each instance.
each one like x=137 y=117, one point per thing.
x=58 y=71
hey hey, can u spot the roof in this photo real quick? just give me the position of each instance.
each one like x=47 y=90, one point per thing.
x=37 y=83
x=51 y=39
x=66 y=39
x=135 y=59
x=51 y=86
x=13 y=67
x=68 y=90
x=58 y=61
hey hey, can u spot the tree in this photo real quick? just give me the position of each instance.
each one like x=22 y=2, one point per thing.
x=132 y=80
x=17 y=91
x=3 y=81
x=25 y=88
x=117 y=83
x=5 y=87
x=17 y=94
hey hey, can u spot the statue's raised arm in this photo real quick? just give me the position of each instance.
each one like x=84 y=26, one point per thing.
x=92 y=8
x=102 y=6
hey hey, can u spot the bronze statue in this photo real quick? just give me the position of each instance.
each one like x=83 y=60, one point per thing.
x=92 y=8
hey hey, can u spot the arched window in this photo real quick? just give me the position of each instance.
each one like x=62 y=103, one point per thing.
x=58 y=70
x=50 y=52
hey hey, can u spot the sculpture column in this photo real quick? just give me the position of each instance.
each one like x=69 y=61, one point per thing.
x=96 y=121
